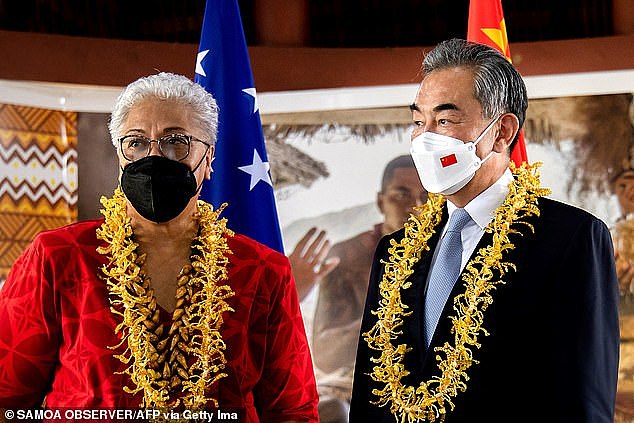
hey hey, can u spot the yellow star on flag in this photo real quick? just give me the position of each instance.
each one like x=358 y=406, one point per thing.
x=498 y=36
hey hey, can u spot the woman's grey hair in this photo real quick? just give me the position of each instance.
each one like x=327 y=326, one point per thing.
x=498 y=86
x=166 y=86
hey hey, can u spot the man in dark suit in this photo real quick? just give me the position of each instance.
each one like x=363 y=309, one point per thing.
x=499 y=305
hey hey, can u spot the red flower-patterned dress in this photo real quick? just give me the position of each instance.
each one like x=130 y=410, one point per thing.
x=56 y=327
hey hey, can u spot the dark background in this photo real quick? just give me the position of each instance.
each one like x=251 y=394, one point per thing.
x=330 y=23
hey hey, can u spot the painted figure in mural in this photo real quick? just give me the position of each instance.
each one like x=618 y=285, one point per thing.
x=309 y=263
x=495 y=303
x=158 y=304
x=623 y=231
x=341 y=298
x=623 y=236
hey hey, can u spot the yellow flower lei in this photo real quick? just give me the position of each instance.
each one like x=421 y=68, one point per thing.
x=428 y=401
x=208 y=261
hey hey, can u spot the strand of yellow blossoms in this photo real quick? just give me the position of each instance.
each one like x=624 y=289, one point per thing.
x=157 y=362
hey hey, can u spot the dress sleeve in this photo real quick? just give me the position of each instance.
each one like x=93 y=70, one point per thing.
x=29 y=330
x=286 y=390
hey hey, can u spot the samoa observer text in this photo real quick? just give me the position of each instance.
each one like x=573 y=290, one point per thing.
x=77 y=414
x=127 y=415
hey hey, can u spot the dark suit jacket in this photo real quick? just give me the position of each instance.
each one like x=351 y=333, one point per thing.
x=553 y=349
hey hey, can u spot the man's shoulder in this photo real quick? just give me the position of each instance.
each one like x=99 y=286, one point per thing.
x=560 y=224
x=386 y=240
x=556 y=211
x=396 y=236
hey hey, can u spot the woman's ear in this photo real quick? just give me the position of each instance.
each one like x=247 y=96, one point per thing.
x=209 y=159
x=509 y=126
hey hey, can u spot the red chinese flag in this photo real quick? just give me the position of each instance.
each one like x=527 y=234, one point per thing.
x=486 y=26
x=448 y=160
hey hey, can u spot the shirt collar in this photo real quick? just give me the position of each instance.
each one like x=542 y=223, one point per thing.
x=482 y=208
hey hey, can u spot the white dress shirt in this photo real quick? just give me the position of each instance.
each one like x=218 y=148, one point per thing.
x=481 y=209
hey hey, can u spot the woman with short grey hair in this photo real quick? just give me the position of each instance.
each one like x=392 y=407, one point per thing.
x=158 y=305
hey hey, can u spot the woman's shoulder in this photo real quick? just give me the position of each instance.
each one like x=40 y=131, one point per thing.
x=244 y=248
x=254 y=267
x=78 y=233
x=60 y=249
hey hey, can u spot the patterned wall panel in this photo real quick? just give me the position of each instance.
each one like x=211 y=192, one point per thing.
x=38 y=176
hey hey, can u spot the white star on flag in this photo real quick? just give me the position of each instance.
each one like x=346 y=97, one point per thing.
x=258 y=170
x=252 y=93
x=199 y=65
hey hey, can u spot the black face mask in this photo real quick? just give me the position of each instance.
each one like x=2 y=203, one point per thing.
x=159 y=188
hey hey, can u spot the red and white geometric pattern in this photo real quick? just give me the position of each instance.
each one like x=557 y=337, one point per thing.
x=38 y=176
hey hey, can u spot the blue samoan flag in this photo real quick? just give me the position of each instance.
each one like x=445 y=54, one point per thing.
x=241 y=174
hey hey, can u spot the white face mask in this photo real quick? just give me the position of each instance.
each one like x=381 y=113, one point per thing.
x=446 y=164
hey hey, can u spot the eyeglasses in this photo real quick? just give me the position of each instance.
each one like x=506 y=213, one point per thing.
x=173 y=146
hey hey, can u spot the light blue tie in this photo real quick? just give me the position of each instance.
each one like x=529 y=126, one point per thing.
x=445 y=271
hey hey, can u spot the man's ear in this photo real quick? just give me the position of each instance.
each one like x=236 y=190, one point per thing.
x=209 y=159
x=379 y=201
x=509 y=126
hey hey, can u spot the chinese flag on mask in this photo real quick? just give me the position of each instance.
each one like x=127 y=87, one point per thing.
x=486 y=26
